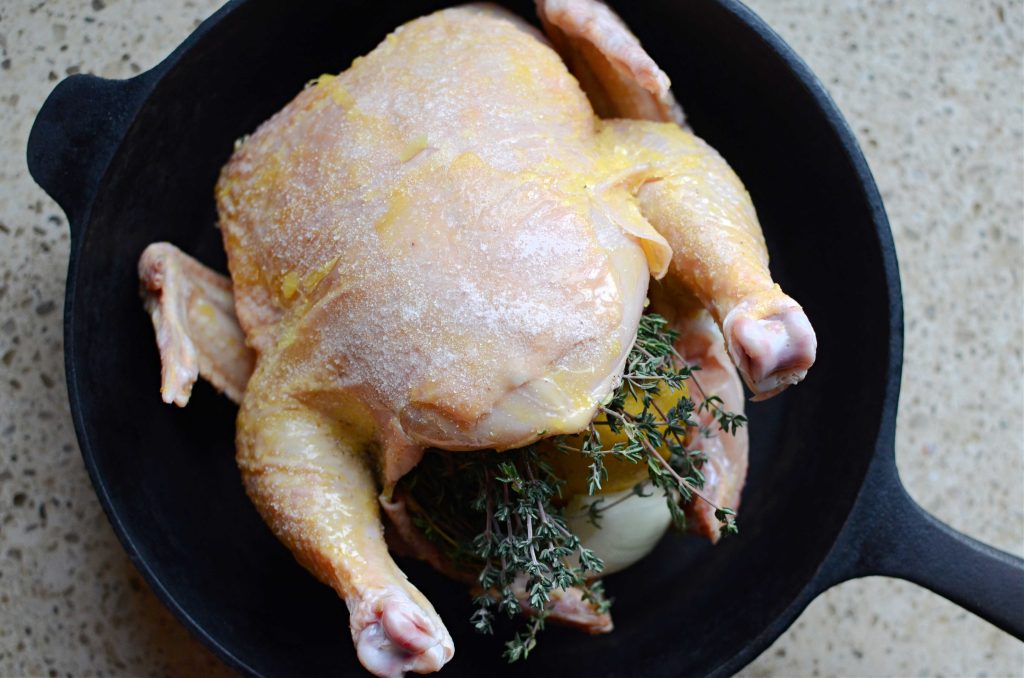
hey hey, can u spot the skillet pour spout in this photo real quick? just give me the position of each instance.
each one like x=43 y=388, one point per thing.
x=133 y=162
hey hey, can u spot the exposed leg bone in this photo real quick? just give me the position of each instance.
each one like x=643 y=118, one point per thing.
x=772 y=343
x=310 y=478
x=193 y=312
x=620 y=78
x=694 y=199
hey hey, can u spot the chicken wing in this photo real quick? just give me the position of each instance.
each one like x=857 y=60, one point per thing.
x=193 y=313
x=620 y=78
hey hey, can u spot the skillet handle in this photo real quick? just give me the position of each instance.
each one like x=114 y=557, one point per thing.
x=889 y=534
x=78 y=130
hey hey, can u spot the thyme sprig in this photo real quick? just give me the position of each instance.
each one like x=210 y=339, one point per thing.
x=499 y=516
x=653 y=366
x=493 y=514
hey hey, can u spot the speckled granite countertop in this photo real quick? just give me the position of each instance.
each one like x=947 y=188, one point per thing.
x=934 y=92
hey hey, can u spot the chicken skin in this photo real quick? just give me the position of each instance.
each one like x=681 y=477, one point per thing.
x=444 y=246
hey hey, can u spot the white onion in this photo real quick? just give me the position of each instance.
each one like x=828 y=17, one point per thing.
x=629 y=530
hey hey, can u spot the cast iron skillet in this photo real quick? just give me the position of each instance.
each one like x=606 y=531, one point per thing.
x=135 y=161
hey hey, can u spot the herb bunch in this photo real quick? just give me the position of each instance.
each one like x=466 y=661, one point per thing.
x=498 y=516
x=654 y=365
x=492 y=514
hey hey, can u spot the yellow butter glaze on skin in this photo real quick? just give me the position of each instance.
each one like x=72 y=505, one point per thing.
x=314 y=277
x=413 y=148
x=289 y=285
x=336 y=91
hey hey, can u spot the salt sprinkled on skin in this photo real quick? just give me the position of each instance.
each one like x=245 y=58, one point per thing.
x=457 y=277
x=538 y=246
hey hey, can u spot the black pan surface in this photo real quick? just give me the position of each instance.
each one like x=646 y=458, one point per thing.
x=135 y=162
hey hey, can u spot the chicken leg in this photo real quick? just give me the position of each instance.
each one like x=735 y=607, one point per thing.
x=688 y=193
x=308 y=474
x=306 y=471
x=193 y=313
x=694 y=199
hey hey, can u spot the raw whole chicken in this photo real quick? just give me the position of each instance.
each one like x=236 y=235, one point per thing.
x=445 y=246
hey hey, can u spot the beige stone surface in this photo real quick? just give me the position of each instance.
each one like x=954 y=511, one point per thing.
x=935 y=93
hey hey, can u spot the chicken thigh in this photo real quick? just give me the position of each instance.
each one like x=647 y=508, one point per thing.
x=444 y=246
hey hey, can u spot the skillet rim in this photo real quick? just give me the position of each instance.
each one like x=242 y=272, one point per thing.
x=822 y=579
